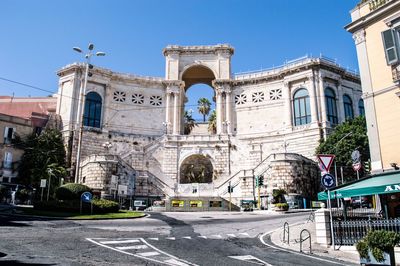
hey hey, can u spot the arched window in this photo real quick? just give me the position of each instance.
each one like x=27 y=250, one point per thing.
x=348 y=107
x=92 y=113
x=331 y=110
x=301 y=107
x=361 y=108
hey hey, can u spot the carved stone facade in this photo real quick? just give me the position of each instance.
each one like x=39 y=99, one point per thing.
x=258 y=120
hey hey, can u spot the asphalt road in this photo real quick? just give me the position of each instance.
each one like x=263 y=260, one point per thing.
x=212 y=238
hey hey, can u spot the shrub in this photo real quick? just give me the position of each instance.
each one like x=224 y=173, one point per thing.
x=282 y=206
x=104 y=206
x=71 y=191
x=58 y=206
x=378 y=241
x=23 y=194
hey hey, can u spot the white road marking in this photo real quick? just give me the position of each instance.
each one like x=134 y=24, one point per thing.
x=120 y=241
x=153 y=238
x=244 y=234
x=132 y=247
x=217 y=236
x=231 y=235
x=170 y=238
x=175 y=262
x=202 y=237
x=261 y=237
x=148 y=254
x=187 y=237
x=251 y=259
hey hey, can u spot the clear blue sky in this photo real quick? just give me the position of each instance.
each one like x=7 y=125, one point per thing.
x=37 y=36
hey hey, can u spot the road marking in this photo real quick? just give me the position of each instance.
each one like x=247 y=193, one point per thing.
x=251 y=259
x=170 y=238
x=132 y=247
x=261 y=237
x=153 y=238
x=120 y=241
x=231 y=235
x=217 y=236
x=187 y=237
x=244 y=234
x=160 y=257
x=148 y=254
x=202 y=237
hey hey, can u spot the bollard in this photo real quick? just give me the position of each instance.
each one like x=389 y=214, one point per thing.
x=304 y=239
x=285 y=231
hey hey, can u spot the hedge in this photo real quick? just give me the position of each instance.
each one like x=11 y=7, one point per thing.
x=104 y=206
x=71 y=191
x=99 y=206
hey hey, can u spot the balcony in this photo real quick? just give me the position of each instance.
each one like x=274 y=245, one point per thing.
x=396 y=73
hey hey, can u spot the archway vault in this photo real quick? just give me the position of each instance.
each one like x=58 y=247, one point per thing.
x=196 y=168
x=198 y=74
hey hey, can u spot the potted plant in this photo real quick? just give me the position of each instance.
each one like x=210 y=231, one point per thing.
x=281 y=206
x=377 y=248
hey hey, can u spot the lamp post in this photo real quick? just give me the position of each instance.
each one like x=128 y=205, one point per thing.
x=81 y=105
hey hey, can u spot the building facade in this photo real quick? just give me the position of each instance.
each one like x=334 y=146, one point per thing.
x=267 y=123
x=20 y=117
x=375 y=28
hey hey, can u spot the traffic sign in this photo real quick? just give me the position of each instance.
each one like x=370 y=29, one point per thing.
x=356 y=156
x=325 y=161
x=357 y=166
x=328 y=181
x=43 y=182
x=86 y=197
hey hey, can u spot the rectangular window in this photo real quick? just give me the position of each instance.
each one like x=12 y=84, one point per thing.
x=7 y=160
x=9 y=134
x=391 y=46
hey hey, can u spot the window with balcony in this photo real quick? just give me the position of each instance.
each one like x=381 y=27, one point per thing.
x=348 y=107
x=92 y=113
x=301 y=107
x=9 y=134
x=331 y=109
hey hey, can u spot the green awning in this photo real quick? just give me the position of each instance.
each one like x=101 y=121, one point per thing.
x=384 y=183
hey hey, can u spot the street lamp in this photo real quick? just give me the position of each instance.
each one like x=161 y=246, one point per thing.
x=81 y=105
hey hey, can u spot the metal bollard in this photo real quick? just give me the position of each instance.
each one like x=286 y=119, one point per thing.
x=304 y=239
x=285 y=231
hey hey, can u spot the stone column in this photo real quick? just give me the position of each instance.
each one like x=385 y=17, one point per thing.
x=219 y=110
x=313 y=98
x=167 y=112
x=322 y=97
x=287 y=96
x=322 y=227
x=176 y=114
x=340 y=106
x=228 y=101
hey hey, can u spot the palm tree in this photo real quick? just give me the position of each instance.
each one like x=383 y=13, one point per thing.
x=189 y=123
x=212 y=122
x=204 y=107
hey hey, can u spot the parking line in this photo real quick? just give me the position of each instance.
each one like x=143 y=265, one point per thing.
x=148 y=254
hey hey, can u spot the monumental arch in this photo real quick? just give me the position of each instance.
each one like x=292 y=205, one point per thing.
x=268 y=123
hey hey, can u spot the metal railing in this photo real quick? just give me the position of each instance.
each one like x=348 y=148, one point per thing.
x=286 y=233
x=347 y=233
x=304 y=239
x=355 y=214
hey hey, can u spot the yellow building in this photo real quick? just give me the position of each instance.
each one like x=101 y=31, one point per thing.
x=376 y=31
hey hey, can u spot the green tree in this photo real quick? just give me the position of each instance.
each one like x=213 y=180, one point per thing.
x=347 y=137
x=212 y=122
x=204 y=107
x=189 y=123
x=44 y=157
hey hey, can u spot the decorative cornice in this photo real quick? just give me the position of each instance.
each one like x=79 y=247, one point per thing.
x=203 y=49
x=174 y=86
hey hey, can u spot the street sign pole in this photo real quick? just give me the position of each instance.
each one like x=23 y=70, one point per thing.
x=259 y=198
x=230 y=196
x=331 y=219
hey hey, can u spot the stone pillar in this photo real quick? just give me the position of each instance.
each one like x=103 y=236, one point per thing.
x=313 y=98
x=167 y=112
x=228 y=118
x=176 y=114
x=322 y=97
x=219 y=111
x=340 y=106
x=287 y=96
x=322 y=227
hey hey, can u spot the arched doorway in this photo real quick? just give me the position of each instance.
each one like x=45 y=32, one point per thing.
x=199 y=101
x=196 y=168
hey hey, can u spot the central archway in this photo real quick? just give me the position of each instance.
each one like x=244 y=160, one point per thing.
x=196 y=168
x=198 y=92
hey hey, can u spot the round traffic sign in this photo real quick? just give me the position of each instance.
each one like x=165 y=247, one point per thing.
x=328 y=181
x=86 y=197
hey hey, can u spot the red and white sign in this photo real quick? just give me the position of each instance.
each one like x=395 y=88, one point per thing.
x=325 y=161
x=356 y=166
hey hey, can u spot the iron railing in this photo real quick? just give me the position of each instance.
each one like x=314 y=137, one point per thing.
x=355 y=214
x=347 y=233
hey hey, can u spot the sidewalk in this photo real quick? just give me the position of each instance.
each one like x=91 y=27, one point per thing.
x=347 y=254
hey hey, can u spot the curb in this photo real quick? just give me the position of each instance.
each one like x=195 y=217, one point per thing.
x=320 y=257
